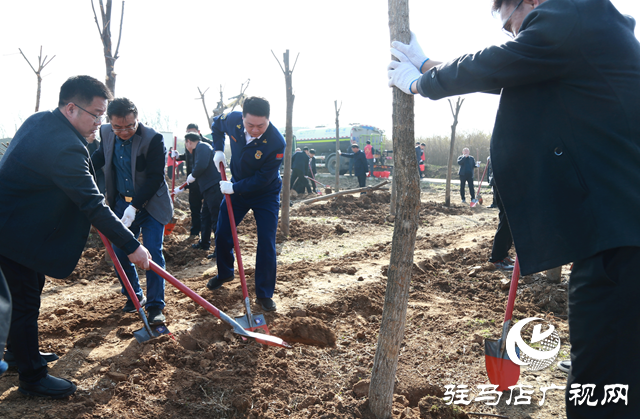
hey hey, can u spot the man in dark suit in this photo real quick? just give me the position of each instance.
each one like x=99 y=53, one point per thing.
x=208 y=179
x=48 y=202
x=570 y=102
x=360 y=165
x=300 y=168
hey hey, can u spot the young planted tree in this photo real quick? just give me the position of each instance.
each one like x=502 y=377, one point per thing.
x=286 y=196
x=447 y=196
x=104 y=30
x=42 y=63
x=335 y=104
x=407 y=180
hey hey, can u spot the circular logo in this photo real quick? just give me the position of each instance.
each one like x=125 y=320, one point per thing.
x=540 y=352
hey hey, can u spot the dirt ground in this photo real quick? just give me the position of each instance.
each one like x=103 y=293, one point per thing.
x=330 y=293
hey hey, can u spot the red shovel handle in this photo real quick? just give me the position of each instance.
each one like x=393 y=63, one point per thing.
x=123 y=275
x=513 y=289
x=234 y=233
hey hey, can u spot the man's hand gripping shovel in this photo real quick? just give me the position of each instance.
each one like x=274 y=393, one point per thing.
x=502 y=371
x=249 y=321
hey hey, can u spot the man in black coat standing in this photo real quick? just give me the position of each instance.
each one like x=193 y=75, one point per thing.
x=570 y=102
x=48 y=202
x=467 y=165
x=360 y=165
x=299 y=168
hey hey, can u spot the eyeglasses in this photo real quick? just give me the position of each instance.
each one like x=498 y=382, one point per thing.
x=98 y=119
x=125 y=129
x=506 y=25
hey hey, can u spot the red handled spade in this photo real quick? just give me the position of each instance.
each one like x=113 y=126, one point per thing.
x=248 y=321
x=168 y=228
x=502 y=371
x=478 y=196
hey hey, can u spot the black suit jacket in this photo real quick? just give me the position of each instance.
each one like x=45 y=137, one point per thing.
x=49 y=199
x=360 y=165
x=566 y=143
x=204 y=170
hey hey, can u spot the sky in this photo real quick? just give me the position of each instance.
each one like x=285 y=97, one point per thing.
x=169 y=49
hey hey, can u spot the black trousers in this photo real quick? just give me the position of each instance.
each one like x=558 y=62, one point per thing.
x=502 y=241
x=467 y=179
x=195 y=205
x=26 y=287
x=362 y=180
x=210 y=210
x=298 y=181
x=604 y=329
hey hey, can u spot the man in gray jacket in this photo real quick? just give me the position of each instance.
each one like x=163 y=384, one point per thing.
x=133 y=160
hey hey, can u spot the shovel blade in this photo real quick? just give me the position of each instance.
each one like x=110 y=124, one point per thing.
x=502 y=371
x=258 y=323
x=143 y=334
x=168 y=228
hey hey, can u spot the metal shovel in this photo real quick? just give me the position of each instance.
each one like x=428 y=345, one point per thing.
x=501 y=370
x=248 y=321
x=147 y=332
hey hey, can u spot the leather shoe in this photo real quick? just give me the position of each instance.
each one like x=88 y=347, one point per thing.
x=267 y=304
x=10 y=358
x=213 y=255
x=200 y=245
x=215 y=282
x=155 y=316
x=49 y=386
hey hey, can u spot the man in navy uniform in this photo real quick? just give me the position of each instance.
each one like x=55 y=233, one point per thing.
x=48 y=202
x=257 y=149
x=207 y=179
x=570 y=101
x=133 y=159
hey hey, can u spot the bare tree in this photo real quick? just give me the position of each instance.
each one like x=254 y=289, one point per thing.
x=206 y=112
x=286 y=197
x=42 y=63
x=335 y=104
x=105 y=35
x=406 y=176
x=447 y=198
x=221 y=107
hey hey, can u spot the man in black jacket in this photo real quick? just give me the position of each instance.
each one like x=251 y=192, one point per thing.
x=133 y=159
x=208 y=179
x=467 y=165
x=48 y=202
x=360 y=165
x=570 y=101
x=300 y=168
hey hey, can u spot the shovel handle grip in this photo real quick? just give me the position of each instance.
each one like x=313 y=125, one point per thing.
x=234 y=233
x=513 y=289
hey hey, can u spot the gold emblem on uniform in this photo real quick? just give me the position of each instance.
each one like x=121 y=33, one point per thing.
x=264 y=141
x=258 y=154
x=238 y=126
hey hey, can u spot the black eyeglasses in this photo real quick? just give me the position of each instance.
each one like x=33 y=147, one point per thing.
x=506 y=25
x=98 y=119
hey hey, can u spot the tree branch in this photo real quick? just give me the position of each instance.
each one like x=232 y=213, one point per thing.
x=295 y=62
x=95 y=16
x=115 y=56
x=274 y=56
x=34 y=70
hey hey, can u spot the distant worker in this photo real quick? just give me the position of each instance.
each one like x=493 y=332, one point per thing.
x=467 y=165
x=195 y=196
x=299 y=169
x=313 y=169
x=257 y=149
x=368 y=153
x=208 y=179
x=133 y=159
x=351 y=162
x=360 y=164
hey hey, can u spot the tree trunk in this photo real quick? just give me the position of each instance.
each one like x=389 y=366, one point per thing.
x=337 y=146
x=447 y=196
x=38 y=92
x=286 y=196
x=406 y=178
x=105 y=36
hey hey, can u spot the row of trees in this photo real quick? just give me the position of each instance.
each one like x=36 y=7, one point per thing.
x=437 y=147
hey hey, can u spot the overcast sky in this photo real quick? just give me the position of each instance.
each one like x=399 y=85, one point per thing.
x=171 y=48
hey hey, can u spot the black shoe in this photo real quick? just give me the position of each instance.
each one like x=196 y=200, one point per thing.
x=49 y=386
x=215 y=283
x=131 y=308
x=155 y=316
x=267 y=304
x=213 y=255
x=492 y=206
x=200 y=245
x=10 y=358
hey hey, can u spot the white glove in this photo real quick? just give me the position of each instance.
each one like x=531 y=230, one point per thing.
x=339 y=151
x=402 y=74
x=176 y=191
x=226 y=187
x=219 y=157
x=175 y=154
x=413 y=52
x=128 y=216
x=190 y=178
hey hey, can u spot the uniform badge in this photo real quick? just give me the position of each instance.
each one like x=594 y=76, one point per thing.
x=258 y=154
x=264 y=141
x=238 y=126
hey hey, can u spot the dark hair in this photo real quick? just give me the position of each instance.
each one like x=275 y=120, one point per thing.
x=257 y=106
x=312 y=151
x=368 y=142
x=121 y=107
x=82 y=89
x=305 y=149
x=355 y=146
x=497 y=4
x=193 y=126
x=423 y=144
x=192 y=136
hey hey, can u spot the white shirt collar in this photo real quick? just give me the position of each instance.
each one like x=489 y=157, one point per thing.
x=248 y=137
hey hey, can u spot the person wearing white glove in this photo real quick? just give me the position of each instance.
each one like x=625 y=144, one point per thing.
x=218 y=158
x=190 y=178
x=175 y=154
x=411 y=64
x=413 y=52
x=176 y=191
x=129 y=215
x=226 y=187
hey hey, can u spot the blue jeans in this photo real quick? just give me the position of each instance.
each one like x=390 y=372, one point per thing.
x=153 y=235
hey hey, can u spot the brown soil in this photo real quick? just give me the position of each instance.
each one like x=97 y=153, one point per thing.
x=330 y=295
